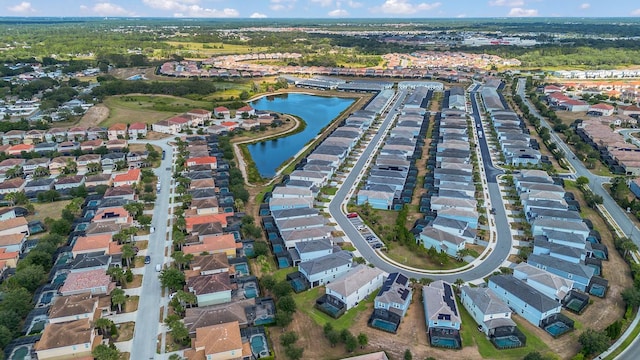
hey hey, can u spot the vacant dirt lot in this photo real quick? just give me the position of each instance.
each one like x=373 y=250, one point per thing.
x=94 y=116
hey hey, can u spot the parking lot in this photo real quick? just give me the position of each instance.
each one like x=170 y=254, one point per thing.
x=366 y=233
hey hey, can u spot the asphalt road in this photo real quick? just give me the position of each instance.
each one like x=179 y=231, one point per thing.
x=595 y=183
x=147 y=320
x=491 y=262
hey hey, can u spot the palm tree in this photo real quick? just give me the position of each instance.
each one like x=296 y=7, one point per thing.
x=118 y=298
x=179 y=239
x=14 y=172
x=628 y=246
x=181 y=223
x=182 y=259
x=70 y=167
x=11 y=197
x=104 y=325
x=117 y=274
x=128 y=253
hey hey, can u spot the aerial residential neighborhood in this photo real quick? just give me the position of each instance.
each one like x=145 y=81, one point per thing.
x=319 y=180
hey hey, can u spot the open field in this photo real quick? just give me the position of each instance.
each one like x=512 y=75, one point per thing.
x=211 y=49
x=48 y=210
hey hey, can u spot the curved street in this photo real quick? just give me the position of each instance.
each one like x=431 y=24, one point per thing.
x=498 y=254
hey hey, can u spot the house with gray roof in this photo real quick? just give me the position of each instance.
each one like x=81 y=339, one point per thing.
x=441 y=240
x=579 y=273
x=487 y=309
x=440 y=310
x=563 y=215
x=523 y=299
x=309 y=250
x=542 y=246
x=291 y=237
x=356 y=285
x=325 y=269
x=554 y=286
x=541 y=225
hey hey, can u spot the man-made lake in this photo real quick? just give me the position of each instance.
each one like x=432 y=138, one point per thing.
x=316 y=111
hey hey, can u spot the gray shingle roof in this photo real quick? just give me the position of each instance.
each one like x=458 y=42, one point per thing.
x=326 y=262
x=524 y=292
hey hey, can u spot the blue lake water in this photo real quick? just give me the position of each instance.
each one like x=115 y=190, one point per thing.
x=316 y=111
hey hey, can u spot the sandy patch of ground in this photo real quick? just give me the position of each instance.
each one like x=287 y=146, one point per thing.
x=94 y=116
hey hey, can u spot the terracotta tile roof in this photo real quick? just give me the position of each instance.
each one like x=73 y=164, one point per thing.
x=213 y=244
x=12 y=223
x=245 y=109
x=209 y=262
x=11 y=162
x=12 y=183
x=221 y=109
x=118 y=127
x=65 y=334
x=602 y=106
x=92 y=242
x=122 y=190
x=131 y=175
x=206 y=219
x=138 y=126
x=92 y=143
x=20 y=148
x=202 y=183
x=217 y=339
x=204 y=203
x=178 y=120
x=85 y=280
x=203 y=160
x=209 y=284
x=111 y=213
x=4 y=255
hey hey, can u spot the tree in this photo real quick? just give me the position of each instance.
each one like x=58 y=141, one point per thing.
x=333 y=337
x=118 y=298
x=293 y=352
x=181 y=259
x=582 y=181
x=144 y=220
x=593 y=342
x=106 y=352
x=128 y=253
x=104 y=325
x=407 y=355
x=267 y=282
x=181 y=300
x=117 y=274
x=172 y=278
x=631 y=296
x=351 y=343
x=30 y=277
x=175 y=357
x=363 y=340
x=17 y=301
x=134 y=209
x=289 y=338
x=286 y=304
x=5 y=336
x=283 y=318
x=179 y=238
x=260 y=248
x=179 y=332
x=283 y=288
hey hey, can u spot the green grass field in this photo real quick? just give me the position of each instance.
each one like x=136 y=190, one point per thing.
x=306 y=300
x=212 y=49
x=148 y=108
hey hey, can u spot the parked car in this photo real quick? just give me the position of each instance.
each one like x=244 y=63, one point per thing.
x=352 y=215
x=147 y=259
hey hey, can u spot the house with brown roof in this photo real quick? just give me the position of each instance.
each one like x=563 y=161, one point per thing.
x=69 y=182
x=74 y=307
x=199 y=116
x=221 y=112
x=84 y=160
x=123 y=192
x=163 y=126
x=211 y=289
x=117 y=214
x=96 y=133
x=130 y=178
x=245 y=109
x=98 y=179
x=225 y=244
x=68 y=340
x=91 y=145
x=208 y=264
x=77 y=133
x=92 y=243
x=31 y=165
x=137 y=130
x=12 y=185
x=13 y=137
x=11 y=163
x=105 y=227
x=220 y=342
x=116 y=144
x=58 y=163
x=208 y=183
x=13 y=233
x=96 y=282
x=602 y=109
x=34 y=136
x=56 y=135
x=117 y=131
x=205 y=206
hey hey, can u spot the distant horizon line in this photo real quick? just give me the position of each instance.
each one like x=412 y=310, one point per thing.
x=319 y=18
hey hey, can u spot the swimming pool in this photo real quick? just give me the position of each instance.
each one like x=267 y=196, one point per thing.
x=82 y=227
x=384 y=325
x=334 y=311
x=60 y=278
x=298 y=285
x=277 y=248
x=248 y=250
x=250 y=292
x=259 y=346
x=242 y=269
x=46 y=297
x=575 y=305
x=283 y=262
x=506 y=342
x=556 y=329
x=20 y=353
x=597 y=290
x=444 y=342
x=93 y=202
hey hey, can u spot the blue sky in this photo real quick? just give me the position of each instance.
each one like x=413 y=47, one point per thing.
x=321 y=8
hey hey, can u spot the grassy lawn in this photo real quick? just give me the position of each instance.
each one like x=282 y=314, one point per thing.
x=305 y=302
x=48 y=210
x=132 y=303
x=471 y=336
x=125 y=331
x=135 y=283
x=281 y=275
x=211 y=49
x=148 y=108
x=634 y=334
x=420 y=260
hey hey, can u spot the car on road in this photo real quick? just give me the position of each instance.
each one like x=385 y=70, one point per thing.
x=147 y=259
x=158 y=267
x=352 y=215
x=164 y=153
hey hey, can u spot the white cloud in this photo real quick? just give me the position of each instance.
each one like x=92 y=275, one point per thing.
x=190 y=8
x=338 y=13
x=520 y=12
x=278 y=5
x=403 y=7
x=108 y=9
x=323 y=3
x=635 y=12
x=257 y=15
x=354 y=4
x=506 y=3
x=23 y=7
x=585 y=6
x=461 y=16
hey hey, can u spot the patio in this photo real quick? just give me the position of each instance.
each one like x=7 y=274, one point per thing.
x=330 y=306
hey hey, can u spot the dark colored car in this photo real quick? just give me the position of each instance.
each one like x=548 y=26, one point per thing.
x=147 y=259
